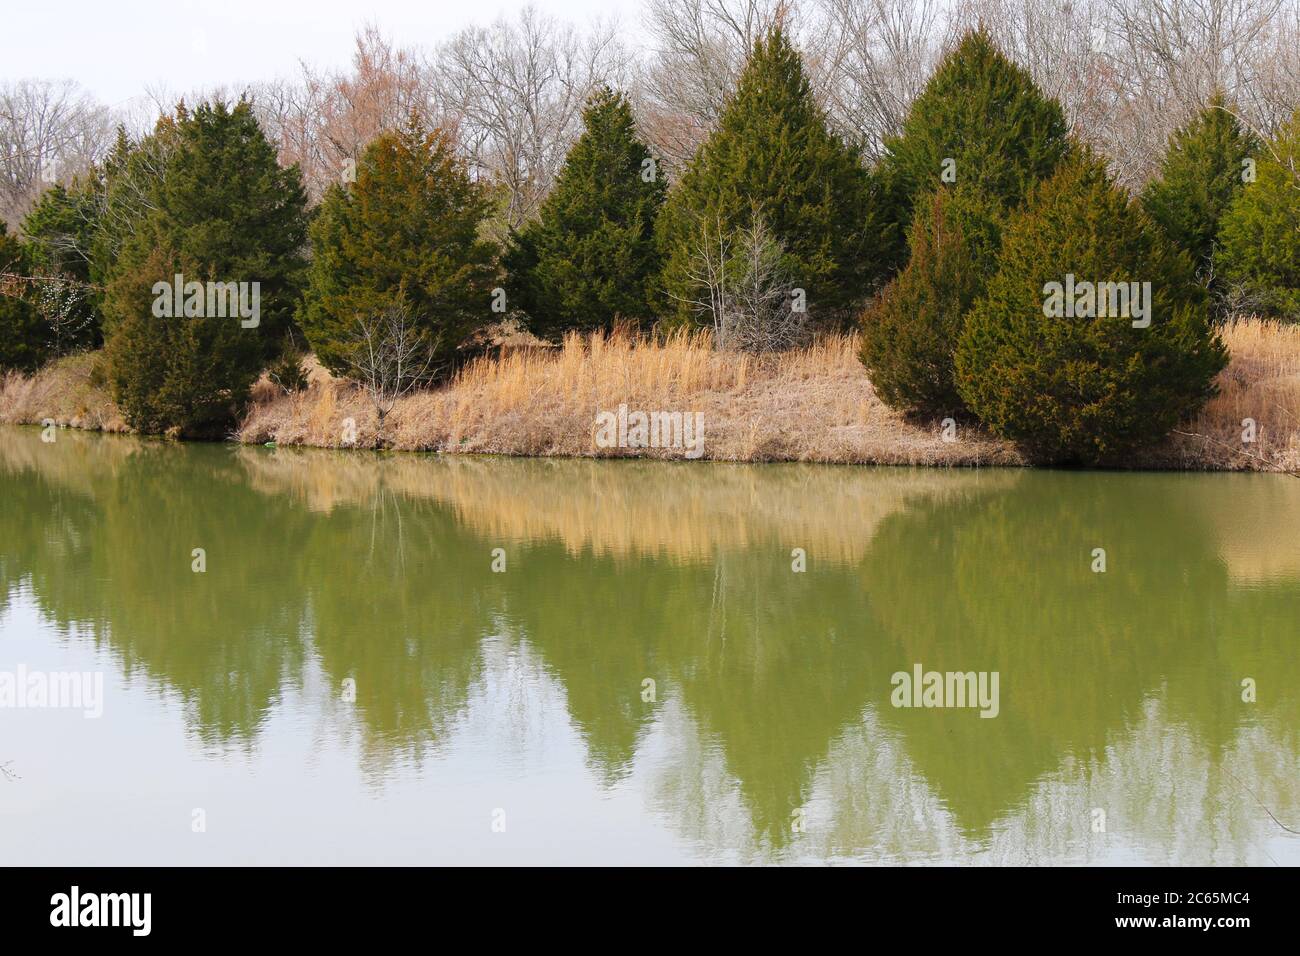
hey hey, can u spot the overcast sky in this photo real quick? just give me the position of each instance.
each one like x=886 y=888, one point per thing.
x=117 y=48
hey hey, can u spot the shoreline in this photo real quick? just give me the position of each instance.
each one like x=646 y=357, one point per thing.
x=814 y=405
x=1139 y=467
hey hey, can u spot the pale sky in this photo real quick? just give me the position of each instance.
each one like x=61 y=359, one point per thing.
x=116 y=50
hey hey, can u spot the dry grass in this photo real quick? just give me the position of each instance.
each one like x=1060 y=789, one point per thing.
x=815 y=404
x=1261 y=382
x=65 y=391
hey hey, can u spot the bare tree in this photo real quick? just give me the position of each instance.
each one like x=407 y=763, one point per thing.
x=742 y=289
x=323 y=120
x=1169 y=57
x=49 y=131
x=390 y=354
x=1275 y=87
x=119 y=205
x=1062 y=44
x=290 y=111
x=877 y=57
x=707 y=275
x=61 y=302
x=700 y=48
x=516 y=92
x=1128 y=73
x=762 y=315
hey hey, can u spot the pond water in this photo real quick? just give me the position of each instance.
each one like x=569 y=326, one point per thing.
x=217 y=654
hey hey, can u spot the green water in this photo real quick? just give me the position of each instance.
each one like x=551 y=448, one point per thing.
x=350 y=680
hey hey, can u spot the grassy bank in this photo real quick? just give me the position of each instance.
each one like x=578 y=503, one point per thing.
x=811 y=405
x=815 y=404
x=68 y=391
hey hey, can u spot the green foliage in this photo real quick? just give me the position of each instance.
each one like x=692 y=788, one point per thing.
x=774 y=155
x=23 y=339
x=405 y=233
x=77 y=234
x=910 y=331
x=1086 y=388
x=181 y=375
x=1199 y=177
x=287 y=372
x=58 y=231
x=120 y=193
x=986 y=115
x=590 y=257
x=1259 y=257
x=218 y=209
x=225 y=203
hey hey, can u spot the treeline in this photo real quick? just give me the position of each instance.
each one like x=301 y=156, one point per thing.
x=197 y=259
x=1127 y=73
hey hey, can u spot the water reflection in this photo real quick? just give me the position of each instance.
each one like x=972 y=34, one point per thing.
x=771 y=735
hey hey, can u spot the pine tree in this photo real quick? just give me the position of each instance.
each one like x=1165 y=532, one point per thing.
x=590 y=257
x=1199 y=177
x=1259 y=255
x=221 y=213
x=405 y=234
x=773 y=155
x=1068 y=376
x=980 y=121
x=23 y=339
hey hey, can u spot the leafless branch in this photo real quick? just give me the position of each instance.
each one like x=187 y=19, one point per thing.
x=390 y=354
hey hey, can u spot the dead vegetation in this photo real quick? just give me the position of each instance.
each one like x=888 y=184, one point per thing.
x=811 y=404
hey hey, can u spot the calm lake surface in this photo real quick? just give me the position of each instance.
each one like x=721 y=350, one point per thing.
x=350 y=681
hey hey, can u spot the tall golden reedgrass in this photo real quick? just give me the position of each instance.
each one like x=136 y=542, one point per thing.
x=1261 y=384
x=66 y=391
x=814 y=404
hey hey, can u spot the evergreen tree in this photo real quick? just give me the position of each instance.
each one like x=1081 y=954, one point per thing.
x=23 y=340
x=980 y=121
x=225 y=203
x=1068 y=376
x=405 y=234
x=172 y=373
x=120 y=192
x=1199 y=177
x=221 y=213
x=1259 y=255
x=773 y=155
x=590 y=257
x=56 y=232
x=76 y=234
x=910 y=331
x=59 y=230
